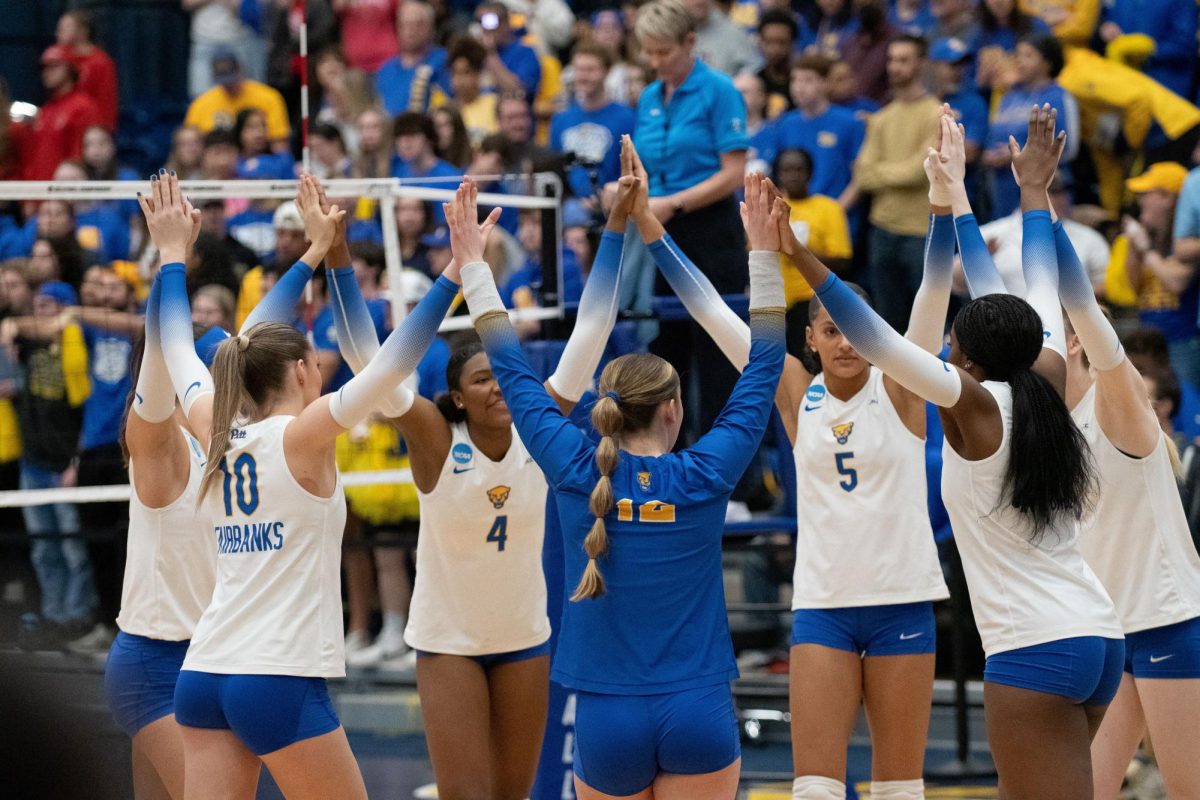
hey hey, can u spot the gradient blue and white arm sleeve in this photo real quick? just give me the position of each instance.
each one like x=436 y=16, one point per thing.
x=927 y=321
x=702 y=301
x=1039 y=264
x=357 y=339
x=154 y=397
x=397 y=358
x=920 y=372
x=594 y=321
x=188 y=373
x=978 y=266
x=280 y=302
x=1096 y=333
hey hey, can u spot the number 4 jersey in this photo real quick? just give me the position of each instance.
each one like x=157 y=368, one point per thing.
x=863 y=533
x=480 y=588
x=277 y=605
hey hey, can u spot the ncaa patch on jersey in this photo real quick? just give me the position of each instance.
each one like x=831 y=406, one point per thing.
x=815 y=394
x=462 y=453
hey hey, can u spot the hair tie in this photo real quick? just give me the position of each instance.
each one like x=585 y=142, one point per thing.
x=243 y=341
x=612 y=395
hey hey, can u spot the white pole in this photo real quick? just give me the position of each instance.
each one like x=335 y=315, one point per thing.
x=393 y=259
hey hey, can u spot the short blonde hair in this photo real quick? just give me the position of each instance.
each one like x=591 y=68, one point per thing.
x=664 y=19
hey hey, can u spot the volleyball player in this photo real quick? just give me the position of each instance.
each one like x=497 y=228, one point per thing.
x=1016 y=480
x=645 y=642
x=863 y=629
x=478 y=617
x=170 y=568
x=252 y=690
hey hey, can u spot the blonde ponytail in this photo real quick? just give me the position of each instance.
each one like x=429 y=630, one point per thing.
x=230 y=395
x=607 y=419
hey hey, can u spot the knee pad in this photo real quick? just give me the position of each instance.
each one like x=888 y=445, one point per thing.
x=816 y=787
x=898 y=790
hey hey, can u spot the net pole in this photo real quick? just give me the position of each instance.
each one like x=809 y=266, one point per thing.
x=393 y=259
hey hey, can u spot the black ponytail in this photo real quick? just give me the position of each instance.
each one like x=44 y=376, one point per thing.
x=1049 y=470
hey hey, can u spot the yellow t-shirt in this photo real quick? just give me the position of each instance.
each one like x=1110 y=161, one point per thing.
x=480 y=117
x=249 y=295
x=547 y=102
x=217 y=108
x=821 y=225
x=1078 y=26
x=379 y=447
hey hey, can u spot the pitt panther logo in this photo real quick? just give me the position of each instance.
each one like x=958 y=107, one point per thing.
x=498 y=495
x=643 y=479
x=842 y=432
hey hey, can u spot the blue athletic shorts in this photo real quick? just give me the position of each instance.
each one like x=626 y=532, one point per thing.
x=905 y=629
x=267 y=712
x=1084 y=669
x=139 y=679
x=496 y=659
x=623 y=742
x=1172 y=651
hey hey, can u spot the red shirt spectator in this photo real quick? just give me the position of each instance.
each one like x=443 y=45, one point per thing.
x=368 y=31
x=97 y=72
x=57 y=132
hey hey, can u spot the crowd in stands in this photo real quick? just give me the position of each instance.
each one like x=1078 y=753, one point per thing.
x=837 y=100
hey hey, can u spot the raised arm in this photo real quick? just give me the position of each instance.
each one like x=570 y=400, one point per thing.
x=560 y=448
x=1122 y=410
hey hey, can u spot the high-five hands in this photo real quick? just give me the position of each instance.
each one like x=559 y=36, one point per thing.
x=172 y=221
x=761 y=216
x=321 y=220
x=630 y=188
x=946 y=164
x=1034 y=164
x=468 y=238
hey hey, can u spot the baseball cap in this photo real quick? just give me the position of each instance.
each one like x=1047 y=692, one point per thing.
x=439 y=238
x=226 y=68
x=207 y=344
x=287 y=217
x=61 y=293
x=949 y=49
x=1165 y=175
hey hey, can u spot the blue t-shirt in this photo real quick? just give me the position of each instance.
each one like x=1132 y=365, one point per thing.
x=530 y=276
x=921 y=24
x=1172 y=25
x=970 y=110
x=1174 y=315
x=681 y=142
x=862 y=107
x=255 y=228
x=661 y=626
x=104 y=230
x=108 y=371
x=394 y=81
x=431 y=370
x=1005 y=38
x=833 y=139
x=440 y=169
x=325 y=337
x=269 y=166
x=523 y=62
x=593 y=136
x=1011 y=118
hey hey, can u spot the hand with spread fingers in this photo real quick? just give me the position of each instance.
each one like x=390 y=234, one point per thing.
x=1034 y=164
x=320 y=224
x=466 y=235
x=172 y=222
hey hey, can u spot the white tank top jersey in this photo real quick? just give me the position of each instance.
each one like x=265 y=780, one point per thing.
x=1136 y=538
x=1022 y=594
x=170 y=563
x=480 y=588
x=277 y=606
x=863 y=533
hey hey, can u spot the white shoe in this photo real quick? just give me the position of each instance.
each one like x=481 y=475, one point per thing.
x=97 y=640
x=357 y=640
x=384 y=648
x=403 y=663
x=426 y=792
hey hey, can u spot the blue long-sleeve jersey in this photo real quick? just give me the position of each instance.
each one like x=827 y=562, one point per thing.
x=662 y=625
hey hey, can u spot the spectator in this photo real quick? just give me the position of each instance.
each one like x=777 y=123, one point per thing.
x=1162 y=389
x=100 y=164
x=835 y=23
x=57 y=131
x=345 y=94
x=912 y=17
x=405 y=82
x=288 y=243
x=1149 y=352
x=950 y=58
x=477 y=108
x=54 y=358
x=219 y=106
x=1004 y=237
x=754 y=97
x=719 y=42
x=832 y=135
x=14 y=139
x=954 y=18
x=513 y=66
x=217 y=28
x=282 y=33
x=820 y=224
x=593 y=125
x=777 y=32
x=375 y=153
x=453 y=144
x=415 y=161
x=1039 y=60
x=1167 y=289
x=549 y=24
x=413 y=222
x=219 y=157
x=368 y=31
x=329 y=158
x=1170 y=24
x=1073 y=22
x=889 y=168
x=97 y=72
x=101 y=227
x=609 y=34
x=1001 y=25
x=691 y=133
x=637 y=78
x=56 y=258
x=843 y=92
x=213 y=307
x=256 y=160
x=16 y=293
x=187 y=152
x=217 y=258
x=522 y=286
x=865 y=50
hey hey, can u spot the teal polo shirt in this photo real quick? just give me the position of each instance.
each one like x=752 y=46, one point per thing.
x=681 y=142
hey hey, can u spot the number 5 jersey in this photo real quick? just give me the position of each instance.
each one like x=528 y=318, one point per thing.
x=480 y=588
